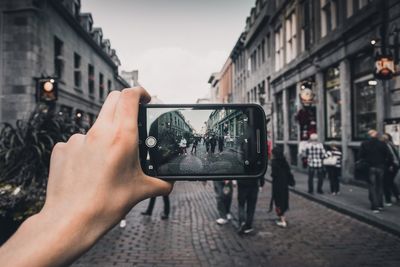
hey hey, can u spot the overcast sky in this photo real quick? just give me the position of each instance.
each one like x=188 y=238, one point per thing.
x=175 y=44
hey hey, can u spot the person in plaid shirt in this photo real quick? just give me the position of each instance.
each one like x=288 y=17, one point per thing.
x=315 y=153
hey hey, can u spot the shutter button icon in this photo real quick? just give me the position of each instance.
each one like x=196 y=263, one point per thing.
x=150 y=141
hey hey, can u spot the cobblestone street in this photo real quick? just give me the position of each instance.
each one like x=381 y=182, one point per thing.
x=316 y=236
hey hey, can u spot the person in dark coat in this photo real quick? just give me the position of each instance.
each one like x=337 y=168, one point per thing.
x=391 y=169
x=220 y=144
x=376 y=154
x=281 y=179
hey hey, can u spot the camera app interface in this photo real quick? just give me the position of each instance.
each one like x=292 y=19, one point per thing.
x=189 y=141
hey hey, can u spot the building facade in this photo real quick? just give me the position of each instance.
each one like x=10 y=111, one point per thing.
x=311 y=64
x=52 y=38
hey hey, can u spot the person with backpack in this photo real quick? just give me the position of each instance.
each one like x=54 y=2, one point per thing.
x=282 y=178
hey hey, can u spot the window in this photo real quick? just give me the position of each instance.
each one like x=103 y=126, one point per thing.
x=101 y=86
x=279 y=116
x=77 y=71
x=291 y=46
x=293 y=130
x=279 y=49
x=329 y=16
x=333 y=103
x=58 y=58
x=263 y=51
x=91 y=79
x=268 y=45
x=293 y=151
x=350 y=8
x=306 y=25
x=109 y=86
x=364 y=108
x=76 y=9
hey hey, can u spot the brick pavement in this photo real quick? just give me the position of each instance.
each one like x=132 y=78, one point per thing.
x=316 y=236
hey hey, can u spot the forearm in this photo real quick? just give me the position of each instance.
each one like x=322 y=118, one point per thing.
x=45 y=240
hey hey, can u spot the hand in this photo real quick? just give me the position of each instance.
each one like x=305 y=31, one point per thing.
x=94 y=181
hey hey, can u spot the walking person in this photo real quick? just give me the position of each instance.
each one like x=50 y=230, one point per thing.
x=315 y=153
x=220 y=143
x=375 y=154
x=391 y=170
x=282 y=178
x=194 y=146
x=223 y=191
x=150 y=207
x=182 y=146
x=247 y=198
x=213 y=143
x=333 y=165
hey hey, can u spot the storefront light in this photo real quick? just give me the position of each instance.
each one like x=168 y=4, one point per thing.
x=372 y=82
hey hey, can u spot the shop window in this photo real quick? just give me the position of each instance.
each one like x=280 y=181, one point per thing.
x=364 y=108
x=293 y=150
x=279 y=116
x=293 y=130
x=333 y=103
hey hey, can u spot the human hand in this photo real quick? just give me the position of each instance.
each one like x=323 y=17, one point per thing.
x=94 y=181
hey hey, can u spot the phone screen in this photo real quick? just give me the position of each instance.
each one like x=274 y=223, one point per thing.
x=201 y=141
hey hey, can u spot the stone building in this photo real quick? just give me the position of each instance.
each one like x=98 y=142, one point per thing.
x=311 y=64
x=52 y=38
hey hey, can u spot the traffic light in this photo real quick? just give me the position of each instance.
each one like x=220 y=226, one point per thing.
x=47 y=90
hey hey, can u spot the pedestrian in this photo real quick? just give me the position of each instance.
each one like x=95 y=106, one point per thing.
x=194 y=145
x=220 y=143
x=391 y=170
x=223 y=191
x=213 y=143
x=150 y=207
x=182 y=146
x=375 y=154
x=315 y=153
x=282 y=177
x=247 y=198
x=333 y=166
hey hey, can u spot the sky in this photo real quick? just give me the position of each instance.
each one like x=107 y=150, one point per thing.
x=175 y=44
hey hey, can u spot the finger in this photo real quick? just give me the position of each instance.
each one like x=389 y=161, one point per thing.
x=157 y=187
x=107 y=112
x=127 y=110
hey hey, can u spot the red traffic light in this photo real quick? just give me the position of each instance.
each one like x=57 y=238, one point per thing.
x=47 y=90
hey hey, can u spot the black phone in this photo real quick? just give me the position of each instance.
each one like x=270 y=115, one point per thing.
x=203 y=141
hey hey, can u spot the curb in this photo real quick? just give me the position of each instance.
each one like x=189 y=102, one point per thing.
x=350 y=212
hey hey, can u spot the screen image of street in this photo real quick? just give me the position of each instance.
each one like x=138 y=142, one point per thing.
x=193 y=141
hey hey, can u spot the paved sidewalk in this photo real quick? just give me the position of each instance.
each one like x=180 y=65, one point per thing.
x=352 y=201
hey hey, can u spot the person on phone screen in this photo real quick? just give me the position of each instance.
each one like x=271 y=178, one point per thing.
x=84 y=201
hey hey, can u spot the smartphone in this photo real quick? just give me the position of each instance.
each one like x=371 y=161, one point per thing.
x=203 y=141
